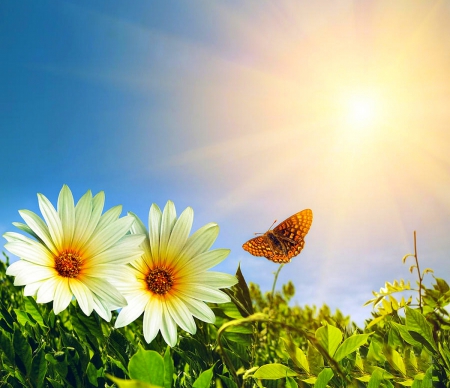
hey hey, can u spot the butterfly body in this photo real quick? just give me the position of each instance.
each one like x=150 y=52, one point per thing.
x=283 y=242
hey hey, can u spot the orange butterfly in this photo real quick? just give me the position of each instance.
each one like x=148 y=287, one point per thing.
x=283 y=242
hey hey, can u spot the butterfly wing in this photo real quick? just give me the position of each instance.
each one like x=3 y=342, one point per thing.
x=293 y=231
x=258 y=246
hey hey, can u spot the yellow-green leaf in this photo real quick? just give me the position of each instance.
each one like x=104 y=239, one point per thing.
x=329 y=338
x=274 y=372
x=297 y=355
x=350 y=345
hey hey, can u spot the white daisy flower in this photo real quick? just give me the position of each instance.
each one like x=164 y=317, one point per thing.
x=171 y=279
x=75 y=252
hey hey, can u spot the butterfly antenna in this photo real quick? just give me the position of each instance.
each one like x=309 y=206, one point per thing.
x=268 y=229
x=272 y=224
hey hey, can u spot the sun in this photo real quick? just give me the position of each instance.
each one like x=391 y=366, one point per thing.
x=361 y=111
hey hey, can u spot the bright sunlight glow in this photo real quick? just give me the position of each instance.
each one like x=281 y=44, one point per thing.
x=361 y=111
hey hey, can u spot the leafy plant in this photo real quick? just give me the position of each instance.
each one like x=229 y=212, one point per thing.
x=258 y=340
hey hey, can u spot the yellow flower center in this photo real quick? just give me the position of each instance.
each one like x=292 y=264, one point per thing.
x=160 y=281
x=68 y=264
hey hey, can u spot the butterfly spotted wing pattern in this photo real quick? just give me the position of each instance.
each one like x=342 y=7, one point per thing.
x=283 y=242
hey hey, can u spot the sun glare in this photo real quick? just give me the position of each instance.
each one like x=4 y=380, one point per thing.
x=361 y=111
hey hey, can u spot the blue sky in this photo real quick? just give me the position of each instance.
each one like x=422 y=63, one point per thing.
x=248 y=112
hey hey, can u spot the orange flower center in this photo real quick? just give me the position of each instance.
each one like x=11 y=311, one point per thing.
x=160 y=281
x=68 y=264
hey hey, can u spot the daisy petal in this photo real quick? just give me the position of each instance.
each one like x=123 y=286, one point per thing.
x=25 y=228
x=17 y=267
x=33 y=273
x=199 y=242
x=139 y=228
x=168 y=220
x=106 y=292
x=123 y=252
x=39 y=228
x=66 y=212
x=181 y=314
x=52 y=219
x=46 y=292
x=109 y=217
x=32 y=289
x=199 y=309
x=83 y=296
x=34 y=253
x=15 y=237
x=62 y=296
x=152 y=319
x=131 y=312
x=154 y=224
x=180 y=235
x=107 y=236
x=102 y=309
x=214 y=279
x=205 y=261
x=93 y=212
x=168 y=327
x=205 y=293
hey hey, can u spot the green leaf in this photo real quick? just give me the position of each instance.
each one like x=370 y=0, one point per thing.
x=310 y=380
x=404 y=333
x=395 y=359
x=230 y=310
x=375 y=352
x=75 y=372
x=315 y=359
x=442 y=285
x=7 y=347
x=7 y=321
x=378 y=375
x=239 y=349
x=23 y=318
x=323 y=378
x=38 y=369
x=168 y=368
x=204 y=380
x=375 y=321
x=234 y=358
x=427 y=381
x=406 y=383
x=131 y=383
x=92 y=374
x=416 y=322
x=147 y=366
x=273 y=372
x=59 y=362
x=383 y=374
x=228 y=382
x=296 y=355
x=54 y=383
x=329 y=337
x=23 y=351
x=364 y=378
x=410 y=361
x=117 y=346
x=242 y=295
x=394 y=338
x=358 y=361
x=350 y=345
x=375 y=380
x=32 y=308
x=291 y=383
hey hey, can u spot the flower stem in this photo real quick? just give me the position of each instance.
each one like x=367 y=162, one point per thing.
x=418 y=272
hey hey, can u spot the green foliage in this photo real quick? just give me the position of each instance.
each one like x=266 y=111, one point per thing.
x=258 y=340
